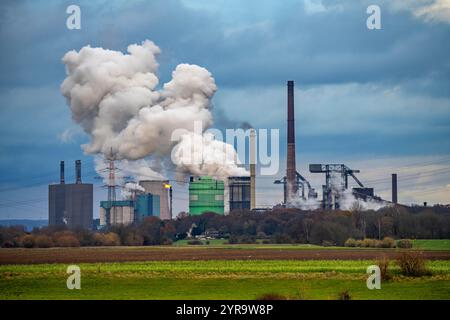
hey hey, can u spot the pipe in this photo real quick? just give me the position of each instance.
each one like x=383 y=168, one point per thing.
x=252 y=169
x=394 y=188
x=78 y=171
x=291 y=187
x=61 y=172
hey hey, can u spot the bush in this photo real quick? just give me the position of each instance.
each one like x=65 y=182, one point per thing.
x=111 y=239
x=281 y=239
x=133 y=239
x=106 y=239
x=28 y=241
x=404 y=244
x=67 y=240
x=412 y=264
x=387 y=242
x=8 y=244
x=358 y=243
x=383 y=264
x=370 y=243
x=43 y=241
x=344 y=295
x=272 y=296
x=350 y=242
x=327 y=243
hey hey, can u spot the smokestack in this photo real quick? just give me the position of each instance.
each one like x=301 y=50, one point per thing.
x=252 y=168
x=291 y=186
x=78 y=171
x=394 y=188
x=61 y=172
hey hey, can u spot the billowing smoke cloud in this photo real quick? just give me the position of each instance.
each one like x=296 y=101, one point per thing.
x=114 y=97
x=202 y=154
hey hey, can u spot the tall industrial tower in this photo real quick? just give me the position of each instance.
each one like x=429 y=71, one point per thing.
x=291 y=185
x=293 y=180
x=111 y=186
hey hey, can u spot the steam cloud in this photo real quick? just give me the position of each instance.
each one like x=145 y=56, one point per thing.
x=114 y=97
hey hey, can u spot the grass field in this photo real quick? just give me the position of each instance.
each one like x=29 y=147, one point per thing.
x=441 y=244
x=218 y=271
x=433 y=244
x=222 y=279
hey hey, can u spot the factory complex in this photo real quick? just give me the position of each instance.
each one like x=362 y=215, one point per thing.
x=72 y=204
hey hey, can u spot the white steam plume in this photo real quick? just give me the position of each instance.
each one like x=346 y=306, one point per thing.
x=113 y=97
x=203 y=155
x=130 y=188
x=347 y=200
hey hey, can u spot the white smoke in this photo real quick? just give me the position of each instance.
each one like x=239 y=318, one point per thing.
x=305 y=204
x=203 y=155
x=130 y=188
x=113 y=97
x=348 y=201
x=126 y=170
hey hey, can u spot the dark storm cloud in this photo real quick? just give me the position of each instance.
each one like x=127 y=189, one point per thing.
x=251 y=48
x=332 y=46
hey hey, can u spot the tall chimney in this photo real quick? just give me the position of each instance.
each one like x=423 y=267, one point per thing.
x=61 y=172
x=78 y=171
x=394 y=188
x=252 y=168
x=291 y=186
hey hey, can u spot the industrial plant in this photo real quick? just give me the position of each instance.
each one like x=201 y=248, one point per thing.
x=71 y=204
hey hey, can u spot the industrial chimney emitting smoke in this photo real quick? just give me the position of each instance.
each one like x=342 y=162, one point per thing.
x=61 y=172
x=291 y=185
x=252 y=169
x=78 y=171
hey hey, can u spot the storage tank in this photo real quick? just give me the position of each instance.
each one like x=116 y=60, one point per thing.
x=159 y=188
x=239 y=192
x=206 y=195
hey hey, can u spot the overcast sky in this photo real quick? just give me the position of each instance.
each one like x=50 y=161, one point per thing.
x=378 y=100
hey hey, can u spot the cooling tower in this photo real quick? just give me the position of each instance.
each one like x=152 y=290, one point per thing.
x=158 y=187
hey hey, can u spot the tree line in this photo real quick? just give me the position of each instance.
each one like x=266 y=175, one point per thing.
x=273 y=226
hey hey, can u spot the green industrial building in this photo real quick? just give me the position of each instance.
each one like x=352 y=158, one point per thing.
x=206 y=195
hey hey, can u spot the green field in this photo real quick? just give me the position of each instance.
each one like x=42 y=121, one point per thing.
x=222 y=279
x=441 y=244
x=433 y=244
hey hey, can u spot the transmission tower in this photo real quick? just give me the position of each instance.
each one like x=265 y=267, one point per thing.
x=111 y=187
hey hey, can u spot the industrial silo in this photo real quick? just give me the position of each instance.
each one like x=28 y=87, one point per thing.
x=159 y=188
x=206 y=195
x=121 y=212
x=239 y=192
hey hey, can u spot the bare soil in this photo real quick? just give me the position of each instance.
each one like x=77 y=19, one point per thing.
x=122 y=254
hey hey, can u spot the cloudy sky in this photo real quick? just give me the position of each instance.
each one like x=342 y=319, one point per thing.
x=376 y=100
